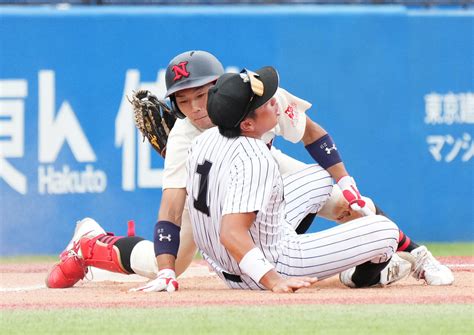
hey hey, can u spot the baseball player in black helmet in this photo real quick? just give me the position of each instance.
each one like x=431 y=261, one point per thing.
x=238 y=201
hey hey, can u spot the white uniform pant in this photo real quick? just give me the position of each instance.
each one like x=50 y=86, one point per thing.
x=328 y=252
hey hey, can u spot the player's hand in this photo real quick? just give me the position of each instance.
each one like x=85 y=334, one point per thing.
x=166 y=281
x=351 y=193
x=290 y=285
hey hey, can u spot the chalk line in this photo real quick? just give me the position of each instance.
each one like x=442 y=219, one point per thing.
x=99 y=275
x=193 y=271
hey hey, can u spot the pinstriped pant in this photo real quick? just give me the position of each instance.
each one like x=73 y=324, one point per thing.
x=329 y=252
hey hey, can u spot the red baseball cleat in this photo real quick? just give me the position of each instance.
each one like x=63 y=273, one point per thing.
x=67 y=272
x=71 y=267
x=90 y=246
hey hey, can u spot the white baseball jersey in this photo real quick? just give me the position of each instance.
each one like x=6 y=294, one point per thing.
x=291 y=126
x=241 y=176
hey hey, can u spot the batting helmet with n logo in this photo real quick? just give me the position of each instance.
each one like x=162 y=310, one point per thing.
x=188 y=70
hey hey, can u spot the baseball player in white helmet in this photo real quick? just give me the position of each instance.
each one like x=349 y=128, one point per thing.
x=188 y=78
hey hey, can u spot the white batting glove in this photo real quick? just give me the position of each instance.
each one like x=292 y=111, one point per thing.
x=351 y=193
x=166 y=281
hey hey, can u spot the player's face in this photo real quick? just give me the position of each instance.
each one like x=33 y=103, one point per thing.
x=193 y=103
x=266 y=116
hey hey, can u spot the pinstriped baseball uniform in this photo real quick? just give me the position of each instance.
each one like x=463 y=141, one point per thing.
x=240 y=176
x=291 y=126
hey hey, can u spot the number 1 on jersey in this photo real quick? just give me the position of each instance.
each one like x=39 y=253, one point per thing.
x=200 y=203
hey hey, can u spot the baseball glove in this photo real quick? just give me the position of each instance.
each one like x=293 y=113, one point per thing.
x=153 y=118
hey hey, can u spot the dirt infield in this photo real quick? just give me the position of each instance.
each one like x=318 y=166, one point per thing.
x=22 y=287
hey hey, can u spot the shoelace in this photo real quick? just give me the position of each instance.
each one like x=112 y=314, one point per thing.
x=74 y=252
x=88 y=272
x=425 y=262
x=68 y=253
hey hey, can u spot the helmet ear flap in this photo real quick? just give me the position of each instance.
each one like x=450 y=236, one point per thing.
x=175 y=109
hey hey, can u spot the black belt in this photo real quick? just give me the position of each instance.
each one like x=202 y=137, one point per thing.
x=231 y=277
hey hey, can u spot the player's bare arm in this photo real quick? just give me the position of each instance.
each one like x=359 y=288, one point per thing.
x=234 y=236
x=172 y=205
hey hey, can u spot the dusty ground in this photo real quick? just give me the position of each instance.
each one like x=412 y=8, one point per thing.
x=22 y=286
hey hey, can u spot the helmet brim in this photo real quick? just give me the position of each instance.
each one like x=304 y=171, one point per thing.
x=191 y=84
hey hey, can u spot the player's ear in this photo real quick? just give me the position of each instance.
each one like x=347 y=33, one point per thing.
x=247 y=125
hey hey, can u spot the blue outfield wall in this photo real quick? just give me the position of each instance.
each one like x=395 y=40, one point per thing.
x=393 y=86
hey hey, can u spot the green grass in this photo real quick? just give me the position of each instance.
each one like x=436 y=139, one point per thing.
x=28 y=259
x=307 y=319
x=451 y=249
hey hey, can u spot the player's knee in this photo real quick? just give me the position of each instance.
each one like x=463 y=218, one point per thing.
x=334 y=205
x=143 y=260
x=390 y=231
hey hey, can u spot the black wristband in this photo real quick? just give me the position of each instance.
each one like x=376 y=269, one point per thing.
x=324 y=151
x=166 y=238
